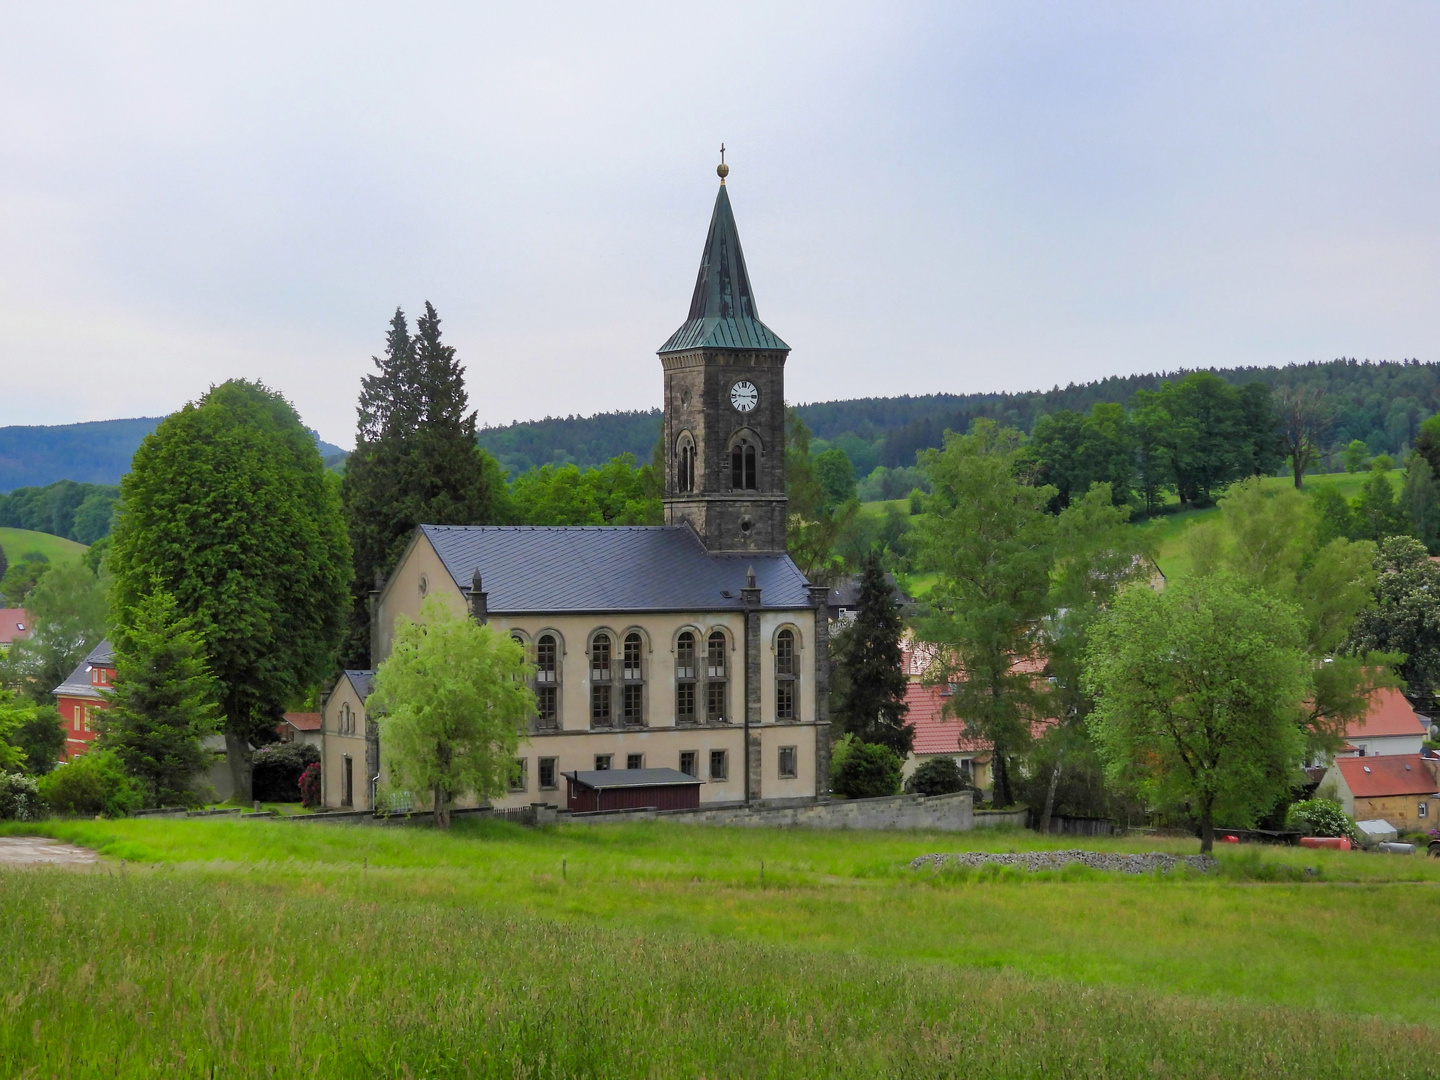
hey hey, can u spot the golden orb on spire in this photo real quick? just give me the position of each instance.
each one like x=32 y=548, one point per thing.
x=724 y=170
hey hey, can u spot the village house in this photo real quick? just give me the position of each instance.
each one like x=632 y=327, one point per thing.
x=939 y=735
x=81 y=696
x=14 y=625
x=1391 y=726
x=1400 y=788
x=696 y=647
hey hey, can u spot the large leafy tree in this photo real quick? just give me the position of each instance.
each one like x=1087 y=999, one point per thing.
x=992 y=544
x=1278 y=543
x=67 y=609
x=1198 y=697
x=868 y=668
x=1405 y=617
x=616 y=493
x=230 y=510
x=162 y=704
x=452 y=701
x=415 y=461
x=1304 y=418
x=813 y=526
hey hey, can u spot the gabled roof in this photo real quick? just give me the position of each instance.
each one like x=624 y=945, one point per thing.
x=936 y=733
x=77 y=683
x=630 y=778
x=103 y=655
x=722 y=309
x=14 y=625
x=1390 y=714
x=360 y=682
x=527 y=569
x=303 y=721
x=1394 y=774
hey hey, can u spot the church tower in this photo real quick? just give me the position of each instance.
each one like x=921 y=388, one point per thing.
x=725 y=405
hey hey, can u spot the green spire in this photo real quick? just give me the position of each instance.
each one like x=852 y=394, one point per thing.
x=722 y=311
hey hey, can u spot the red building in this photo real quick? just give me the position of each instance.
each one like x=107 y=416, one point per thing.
x=80 y=697
x=631 y=789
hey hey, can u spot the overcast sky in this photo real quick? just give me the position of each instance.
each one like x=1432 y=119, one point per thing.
x=956 y=197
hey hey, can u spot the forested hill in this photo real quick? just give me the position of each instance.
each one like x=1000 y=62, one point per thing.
x=93 y=453
x=1380 y=403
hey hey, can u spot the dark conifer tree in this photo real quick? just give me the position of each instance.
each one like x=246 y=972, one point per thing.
x=873 y=706
x=415 y=461
x=163 y=703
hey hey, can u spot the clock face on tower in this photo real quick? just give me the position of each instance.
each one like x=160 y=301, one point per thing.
x=744 y=396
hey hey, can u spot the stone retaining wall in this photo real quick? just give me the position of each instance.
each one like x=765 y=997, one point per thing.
x=941 y=813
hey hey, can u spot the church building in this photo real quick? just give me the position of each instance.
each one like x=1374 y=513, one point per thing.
x=697 y=646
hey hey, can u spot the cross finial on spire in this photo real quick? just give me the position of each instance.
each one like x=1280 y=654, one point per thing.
x=724 y=170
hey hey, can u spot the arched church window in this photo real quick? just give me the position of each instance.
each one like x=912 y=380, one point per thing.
x=744 y=473
x=716 y=677
x=547 y=683
x=785 y=675
x=601 y=701
x=685 y=464
x=632 y=677
x=685 y=678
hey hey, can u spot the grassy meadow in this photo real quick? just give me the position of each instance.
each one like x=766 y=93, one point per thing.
x=226 y=948
x=20 y=542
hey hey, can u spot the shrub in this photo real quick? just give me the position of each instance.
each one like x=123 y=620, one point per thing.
x=938 y=776
x=19 y=797
x=310 y=785
x=277 y=770
x=866 y=771
x=1322 y=817
x=94 y=783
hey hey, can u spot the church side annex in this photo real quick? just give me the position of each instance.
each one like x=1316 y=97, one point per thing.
x=697 y=645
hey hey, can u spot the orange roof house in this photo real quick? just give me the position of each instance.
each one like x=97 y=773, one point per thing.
x=1391 y=726
x=14 y=625
x=1400 y=788
x=939 y=735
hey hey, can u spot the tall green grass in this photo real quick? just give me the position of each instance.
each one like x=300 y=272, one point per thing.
x=226 y=974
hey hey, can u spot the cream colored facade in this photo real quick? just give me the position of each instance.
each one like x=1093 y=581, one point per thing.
x=346 y=779
x=659 y=741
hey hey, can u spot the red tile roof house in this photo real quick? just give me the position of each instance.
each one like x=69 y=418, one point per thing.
x=938 y=735
x=300 y=727
x=79 y=697
x=14 y=625
x=1400 y=788
x=1391 y=726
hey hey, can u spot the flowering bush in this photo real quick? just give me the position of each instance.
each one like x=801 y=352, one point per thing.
x=310 y=785
x=1322 y=817
x=19 y=798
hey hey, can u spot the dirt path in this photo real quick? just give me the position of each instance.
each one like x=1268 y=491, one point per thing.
x=42 y=851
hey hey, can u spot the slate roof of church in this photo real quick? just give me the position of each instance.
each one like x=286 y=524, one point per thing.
x=527 y=569
x=722 y=309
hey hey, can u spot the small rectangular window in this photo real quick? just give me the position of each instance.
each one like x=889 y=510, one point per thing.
x=687 y=763
x=685 y=701
x=715 y=701
x=634 y=761
x=602 y=762
x=719 y=765
x=1424 y=810
x=545 y=773
x=600 y=706
x=789 y=763
x=520 y=775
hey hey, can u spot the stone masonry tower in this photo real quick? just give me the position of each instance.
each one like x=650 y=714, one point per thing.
x=725 y=405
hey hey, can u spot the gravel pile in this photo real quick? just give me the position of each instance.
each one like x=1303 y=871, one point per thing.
x=1147 y=863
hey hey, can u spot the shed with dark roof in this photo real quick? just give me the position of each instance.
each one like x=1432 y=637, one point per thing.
x=631 y=789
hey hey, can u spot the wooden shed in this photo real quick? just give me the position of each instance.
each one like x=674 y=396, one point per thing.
x=631 y=789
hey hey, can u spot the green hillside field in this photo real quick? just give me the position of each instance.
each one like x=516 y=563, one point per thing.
x=20 y=542
x=263 y=949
